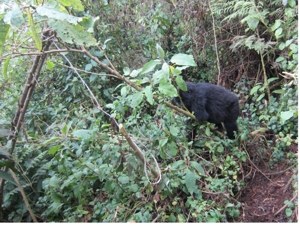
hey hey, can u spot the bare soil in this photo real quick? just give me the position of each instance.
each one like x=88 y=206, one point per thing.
x=265 y=192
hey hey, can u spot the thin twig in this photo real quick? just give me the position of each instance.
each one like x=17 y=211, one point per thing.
x=14 y=176
x=215 y=42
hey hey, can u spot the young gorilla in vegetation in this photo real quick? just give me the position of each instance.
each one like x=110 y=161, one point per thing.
x=212 y=103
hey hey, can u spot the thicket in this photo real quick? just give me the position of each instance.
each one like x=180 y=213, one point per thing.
x=100 y=139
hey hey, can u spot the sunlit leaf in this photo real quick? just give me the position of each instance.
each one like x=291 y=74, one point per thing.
x=183 y=59
x=33 y=31
x=149 y=94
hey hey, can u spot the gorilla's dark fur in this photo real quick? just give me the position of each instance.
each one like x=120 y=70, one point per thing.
x=212 y=103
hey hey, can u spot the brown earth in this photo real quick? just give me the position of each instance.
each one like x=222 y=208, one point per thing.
x=265 y=192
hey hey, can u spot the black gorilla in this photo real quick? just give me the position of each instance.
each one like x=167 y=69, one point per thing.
x=212 y=103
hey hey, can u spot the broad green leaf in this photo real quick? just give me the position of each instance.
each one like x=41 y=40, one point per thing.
x=4 y=28
x=123 y=179
x=254 y=89
x=276 y=25
x=252 y=21
x=272 y=80
x=288 y=212
x=75 y=4
x=163 y=142
x=54 y=149
x=286 y=115
x=4 y=152
x=72 y=34
x=278 y=32
x=260 y=97
x=33 y=31
x=181 y=83
x=14 y=18
x=136 y=99
x=190 y=182
x=198 y=167
x=135 y=73
x=6 y=176
x=157 y=76
x=171 y=149
x=149 y=94
x=83 y=133
x=5 y=68
x=150 y=66
x=160 y=52
x=88 y=67
x=52 y=13
x=126 y=71
x=166 y=88
x=174 y=130
x=166 y=69
x=178 y=164
x=4 y=132
x=280 y=59
x=183 y=59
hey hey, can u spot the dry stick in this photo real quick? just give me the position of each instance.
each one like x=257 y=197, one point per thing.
x=14 y=176
x=133 y=145
x=26 y=95
x=23 y=104
x=137 y=150
x=215 y=42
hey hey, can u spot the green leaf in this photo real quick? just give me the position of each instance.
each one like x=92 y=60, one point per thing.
x=190 y=182
x=72 y=34
x=150 y=66
x=252 y=21
x=183 y=59
x=166 y=88
x=174 y=130
x=157 y=76
x=84 y=134
x=4 y=28
x=171 y=149
x=14 y=18
x=88 y=67
x=198 y=167
x=272 y=80
x=75 y=4
x=6 y=176
x=278 y=33
x=135 y=73
x=163 y=142
x=181 y=83
x=276 y=25
x=4 y=132
x=50 y=64
x=136 y=99
x=160 y=52
x=52 y=13
x=254 y=89
x=286 y=115
x=5 y=67
x=33 y=31
x=126 y=71
x=54 y=149
x=123 y=179
x=149 y=94
x=288 y=212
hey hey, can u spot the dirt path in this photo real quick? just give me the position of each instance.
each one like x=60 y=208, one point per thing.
x=263 y=198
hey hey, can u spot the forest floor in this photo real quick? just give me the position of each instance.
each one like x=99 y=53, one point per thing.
x=266 y=191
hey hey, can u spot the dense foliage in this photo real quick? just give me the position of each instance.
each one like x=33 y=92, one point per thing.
x=72 y=162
